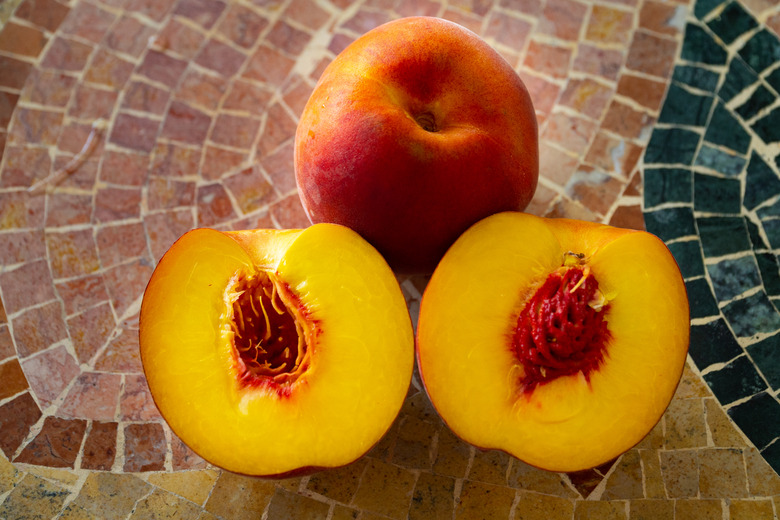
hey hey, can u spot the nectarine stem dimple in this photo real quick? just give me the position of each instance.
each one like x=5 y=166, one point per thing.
x=562 y=328
x=427 y=121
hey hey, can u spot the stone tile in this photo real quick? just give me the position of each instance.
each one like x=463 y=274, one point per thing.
x=30 y=284
x=22 y=40
x=121 y=242
x=749 y=509
x=82 y=293
x=698 y=510
x=285 y=504
x=247 y=97
x=179 y=38
x=106 y=68
x=145 y=447
x=12 y=379
x=134 y=132
x=218 y=161
x=201 y=90
x=609 y=25
x=680 y=470
x=385 y=489
x=185 y=124
x=129 y=36
x=33 y=126
x=195 y=486
x=144 y=97
x=167 y=193
x=50 y=373
x=651 y=469
x=17 y=416
x=162 y=68
x=66 y=54
x=478 y=500
x=586 y=96
x=528 y=478
x=120 y=203
x=762 y=479
x=268 y=65
x=174 y=160
x=214 y=206
x=629 y=217
x=722 y=473
x=24 y=166
x=72 y=253
x=122 y=354
x=243 y=26
x=452 y=455
x=562 y=19
x=126 y=283
x=289 y=214
x=547 y=59
x=307 y=14
x=34 y=497
x=508 y=30
x=163 y=228
x=99 y=449
x=624 y=120
x=136 y=403
x=38 y=328
x=110 y=496
x=412 y=448
x=220 y=57
x=662 y=17
x=87 y=21
x=626 y=479
x=235 y=131
x=182 y=456
x=651 y=510
x=153 y=9
x=559 y=165
x=93 y=396
x=533 y=506
x=56 y=445
x=240 y=497
x=45 y=14
x=280 y=168
x=647 y=92
x=90 y=331
x=489 y=467
x=202 y=12
x=587 y=509
x=47 y=87
x=161 y=504
x=613 y=155
x=433 y=497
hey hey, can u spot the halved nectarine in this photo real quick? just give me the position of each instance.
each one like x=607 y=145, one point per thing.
x=558 y=341
x=275 y=352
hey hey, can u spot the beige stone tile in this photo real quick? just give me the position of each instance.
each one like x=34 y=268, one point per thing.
x=413 y=446
x=195 y=486
x=478 y=500
x=680 y=471
x=645 y=509
x=489 y=467
x=684 y=422
x=385 y=489
x=688 y=509
x=452 y=454
x=751 y=509
x=526 y=477
x=625 y=481
x=588 y=510
x=722 y=430
x=9 y=475
x=286 y=504
x=160 y=504
x=433 y=497
x=240 y=497
x=340 y=483
x=344 y=513
x=691 y=385
x=33 y=497
x=535 y=506
x=722 y=473
x=74 y=512
x=67 y=478
x=651 y=467
x=110 y=495
x=654 y=439
x=762 y=479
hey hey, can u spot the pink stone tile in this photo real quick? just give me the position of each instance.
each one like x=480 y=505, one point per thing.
x=186 y=124
x=179 y=38
x=541 y=201
x=597 y=61
x=258 y=220
x=143 y=97
x=145 y=447
x=124 y=168
x=586 y=96
x=50 y=373
x=365 y=20
x=34 y=126
x=113 y=204
x=106 y=68
x=235 y=131
x=121 y=242
x=202 y=12
x=628 y=217
x=543 y=93
x=134 y=132
x=296 y=94
x=129 y=36
x=174 y=160
x=307 y=13
x=157 y=10
x=279 y=127
x=45 y=14
x=248 y=97
x=532 y=7
x=21 y=210
x=280 y=169
x=6 y=341
x=616 y=156
x=123 y=354
x=164 y=228
x=167 y=193
x=651 y=54
x=91 y=103
x=93 y=396
x=659 y=17
x=183 y=457
x=570 y=132
x=594 y=189
x=609 y=25
x=12 y=379
x=30 y=284
x=202 y=90
x=57 y=445
x=287 y=38
x=16 y=418
x=15 y=72
x=22 y=40
x=136 y=403
x=250 y=189
x=100 y=447
x=48 y=87
x=556 y=165
x=90 y=331
x=218 y=161
x=214 y=206
x=82 y=293
x=21 y=246
x=468 y=20
x=508 y=30
x=220 y=57
x=624 y=120
x=67 y=54
x=72 y=253
x=162 y=68
x=24 y=166
x=268 y=65
x=66 y=209
x=289 y=214
x=550 y=60
x=243 y=26
x=87 y=21
x=418 y=7
x=38 y=328
x=126 y=283
x=338 y=43
x=562 y=19
x=8 y=101
x=645 y=91
x=73 y=138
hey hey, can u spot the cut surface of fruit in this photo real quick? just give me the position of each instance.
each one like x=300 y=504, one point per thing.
x=558 y=341
x=275 y=352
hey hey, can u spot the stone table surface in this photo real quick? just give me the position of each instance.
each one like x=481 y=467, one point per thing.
x=158 y=116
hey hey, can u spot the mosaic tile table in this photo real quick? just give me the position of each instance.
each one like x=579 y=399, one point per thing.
x=653 y=113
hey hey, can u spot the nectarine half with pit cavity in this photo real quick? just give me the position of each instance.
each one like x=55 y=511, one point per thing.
x=276 y=352
x=414 y=132
x=558 y=341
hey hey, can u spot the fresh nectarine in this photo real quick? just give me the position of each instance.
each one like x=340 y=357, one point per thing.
x=414 y=132
x=275 y=352
x=558 y=341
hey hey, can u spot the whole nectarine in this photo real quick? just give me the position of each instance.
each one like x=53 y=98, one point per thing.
x=275 y=352
x=414 y=132
x=558 y=341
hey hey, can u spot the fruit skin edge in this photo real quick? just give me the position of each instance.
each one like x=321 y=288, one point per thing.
x=278 y=255
x=466 y=406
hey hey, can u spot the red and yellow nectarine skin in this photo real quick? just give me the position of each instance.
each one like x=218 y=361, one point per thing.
x=273 y=352
x=558 y=341
x=414 y=132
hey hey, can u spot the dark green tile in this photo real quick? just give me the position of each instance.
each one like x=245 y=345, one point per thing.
x=672 y=146
x=770 y=275
x=670 y=223
x=724 y=129
x=772 y=230
x=722 y=161
x=772 y=455
x=761 y=50
x=737 y=380
x=733 y=276
x=696 y=77
x=683 y=107
x=712 y=343
x=732 y=22
x=738 y=78
x=722 y=236
x=757 y=418
x=769 y=211
x=700 y=47
x=689 y=258
x=713 y=194
x=700 y=299
x=773 y=78
x=761 y=98
x=766 y=355
x=663 y=185
x=761 y=182
x=704 y=7
x=755 y=236
x=752 y=315
x=768 y=127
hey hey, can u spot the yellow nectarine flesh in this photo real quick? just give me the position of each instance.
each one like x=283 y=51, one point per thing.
x=558 y=341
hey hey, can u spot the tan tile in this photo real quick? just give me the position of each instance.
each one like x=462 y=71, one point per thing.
x=67 y=478
x=534 y=506
x=691 y=385
x=489 y=467
x=240 y=497
x=75 y=512
x=452 y=454
x=625 y=480
x=340 y=483
x=722 y=473
x=9 y=475
x=651 y=509
x=680 y=470
x=385 y=489
x=433 y=497
x=413 y=446
x=722 y=430
x=654 y=439
x=286 y=504
x=763 y=481
x=344 y=513
x=478 y=500
x=685 y=427
x=33 y=497
x=161 y=504
x=110 y=495
x=750 y=509
x=689 y=509
x=651 y=467
x=192 y=485
x=529 y=478
x=587 y=510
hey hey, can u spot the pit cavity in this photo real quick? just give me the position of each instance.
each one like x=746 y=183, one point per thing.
x=562 y=329
x=427 y=122
x=269 y=340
